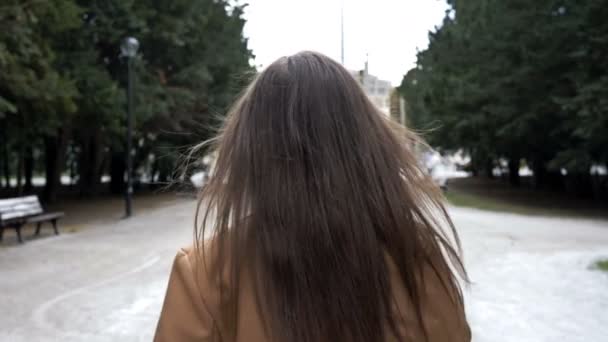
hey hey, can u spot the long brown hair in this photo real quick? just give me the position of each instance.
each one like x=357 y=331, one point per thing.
x=312 y=187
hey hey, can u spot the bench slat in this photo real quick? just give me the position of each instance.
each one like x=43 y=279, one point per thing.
x=19 y=207
x=19 y=214
x=32 y=198
x=15 y=212
x=9 y=202
x=44 y=217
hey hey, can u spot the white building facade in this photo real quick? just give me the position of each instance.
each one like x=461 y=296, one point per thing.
x=378 y=91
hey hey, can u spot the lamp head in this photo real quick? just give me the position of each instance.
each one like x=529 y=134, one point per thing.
x=129 y=47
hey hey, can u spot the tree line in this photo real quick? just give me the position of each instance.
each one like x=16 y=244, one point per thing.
x=62 y=87
x=518 y=82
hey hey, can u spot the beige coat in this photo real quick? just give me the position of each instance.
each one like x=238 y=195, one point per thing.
x=191 y=311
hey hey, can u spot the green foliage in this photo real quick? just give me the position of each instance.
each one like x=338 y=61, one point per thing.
x=601 y=265
x=62 y=76
x=28 y=79
x=516 y=79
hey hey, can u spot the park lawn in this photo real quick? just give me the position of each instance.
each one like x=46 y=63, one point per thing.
x=496 y=195
x=460 y=198
x=602 y=265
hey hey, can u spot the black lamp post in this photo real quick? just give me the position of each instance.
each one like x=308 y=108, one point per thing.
x=128 y=49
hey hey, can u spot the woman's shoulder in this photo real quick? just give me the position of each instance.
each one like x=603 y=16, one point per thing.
x=194 y=266
x=187 y=313
x=443 y=313
x=201 y=261
x=205 y=274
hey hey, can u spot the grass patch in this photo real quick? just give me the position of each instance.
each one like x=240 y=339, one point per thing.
x=460 y=198
x=495 y=195
x=463 y=199
x=601 y=265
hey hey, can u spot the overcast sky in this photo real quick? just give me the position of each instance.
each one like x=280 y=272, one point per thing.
x=388 y=30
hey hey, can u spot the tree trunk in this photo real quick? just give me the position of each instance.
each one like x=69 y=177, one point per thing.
x=118 y=167
x=489 y=168
x=474 y=165
x=51 y=170
x=164 y=173
x=83 y=164
x=20 y=158
x=538 y=167
x=29 y=168
x=73 y=166
x=90 y=163
x=1 y=169
x=474 y=172
x=5 y=161
x=596 y=186
x=153 y=171
x=513 y=165
x=5 y=165
x=55 y=147
x=482 y=163
x=96 y=160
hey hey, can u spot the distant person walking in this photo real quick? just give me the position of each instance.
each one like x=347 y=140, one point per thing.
x=317 y=224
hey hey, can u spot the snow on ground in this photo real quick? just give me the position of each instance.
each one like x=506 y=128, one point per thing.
x=530 y=278
x=534 y=297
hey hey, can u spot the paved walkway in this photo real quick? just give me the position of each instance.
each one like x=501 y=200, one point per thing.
x=102 y=284
x=531 y=278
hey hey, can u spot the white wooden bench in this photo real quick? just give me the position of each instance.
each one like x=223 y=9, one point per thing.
x=18 y=211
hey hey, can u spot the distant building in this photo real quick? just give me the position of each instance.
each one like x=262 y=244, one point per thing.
x=378 y=91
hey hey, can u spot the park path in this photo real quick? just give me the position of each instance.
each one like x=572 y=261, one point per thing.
x=531 y=280
x=102 y=284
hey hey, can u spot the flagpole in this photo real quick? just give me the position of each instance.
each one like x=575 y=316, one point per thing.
x=342 y=31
